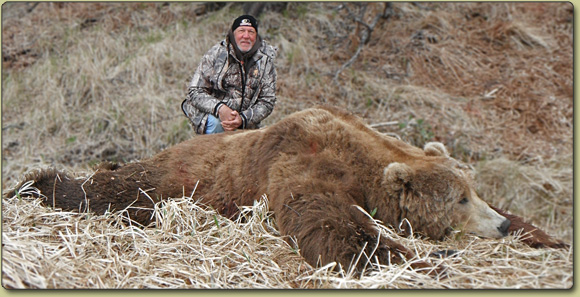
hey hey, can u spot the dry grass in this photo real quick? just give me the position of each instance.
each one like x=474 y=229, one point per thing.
x=193 y=247
x=103 y=81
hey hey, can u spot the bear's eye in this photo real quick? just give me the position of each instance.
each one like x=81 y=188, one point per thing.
x=464 y=200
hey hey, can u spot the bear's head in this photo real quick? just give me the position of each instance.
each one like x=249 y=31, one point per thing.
x=436 y=195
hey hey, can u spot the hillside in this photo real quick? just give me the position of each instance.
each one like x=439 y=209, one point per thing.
x=492 y=81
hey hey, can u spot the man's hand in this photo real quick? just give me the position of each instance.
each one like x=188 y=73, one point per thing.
x=231 y=119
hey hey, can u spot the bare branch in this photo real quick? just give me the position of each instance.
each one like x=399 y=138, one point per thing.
x=365 y=35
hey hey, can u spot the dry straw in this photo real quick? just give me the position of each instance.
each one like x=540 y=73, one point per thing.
x=192 y=246
x=103 y=81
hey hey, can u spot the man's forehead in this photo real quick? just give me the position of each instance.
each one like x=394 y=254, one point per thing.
x=245 y=27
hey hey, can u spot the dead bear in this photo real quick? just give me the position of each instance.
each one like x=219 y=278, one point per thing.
x=319 y=168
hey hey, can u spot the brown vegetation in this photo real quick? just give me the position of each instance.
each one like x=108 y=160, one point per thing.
x=87 y=82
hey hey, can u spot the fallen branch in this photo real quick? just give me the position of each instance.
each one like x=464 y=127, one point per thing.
x=391 y=123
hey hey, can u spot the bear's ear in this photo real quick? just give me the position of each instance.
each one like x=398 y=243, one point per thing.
x=435 y=149
x=396 y=175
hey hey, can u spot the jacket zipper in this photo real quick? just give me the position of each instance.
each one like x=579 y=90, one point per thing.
x=244 y=78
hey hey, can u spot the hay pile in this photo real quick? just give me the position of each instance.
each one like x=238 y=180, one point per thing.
x=103 y=82
x=194 y=247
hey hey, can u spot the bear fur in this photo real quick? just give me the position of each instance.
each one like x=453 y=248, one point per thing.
x=319 y=168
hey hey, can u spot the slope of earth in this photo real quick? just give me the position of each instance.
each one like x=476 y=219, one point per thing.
x=88 y=82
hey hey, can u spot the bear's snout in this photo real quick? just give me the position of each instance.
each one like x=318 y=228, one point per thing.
x=504 y=227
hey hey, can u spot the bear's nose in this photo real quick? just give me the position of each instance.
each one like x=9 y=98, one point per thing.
x=503 y=228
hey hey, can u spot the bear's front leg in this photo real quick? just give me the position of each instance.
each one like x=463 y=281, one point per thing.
x=532 y=235
x=328 y=227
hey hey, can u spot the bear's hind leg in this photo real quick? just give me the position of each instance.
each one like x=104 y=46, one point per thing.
x=127 y=188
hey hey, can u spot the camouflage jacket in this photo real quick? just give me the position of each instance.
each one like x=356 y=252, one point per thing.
x=218 y=80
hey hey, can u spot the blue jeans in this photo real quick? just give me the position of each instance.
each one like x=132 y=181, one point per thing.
x=213 y=125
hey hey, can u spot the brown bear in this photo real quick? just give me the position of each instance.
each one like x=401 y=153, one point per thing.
x=320 y=168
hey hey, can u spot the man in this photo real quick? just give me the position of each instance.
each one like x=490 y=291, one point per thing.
x=234 y=86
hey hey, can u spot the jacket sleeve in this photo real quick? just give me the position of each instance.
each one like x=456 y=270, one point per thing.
x=266 y=100
x=199 y=94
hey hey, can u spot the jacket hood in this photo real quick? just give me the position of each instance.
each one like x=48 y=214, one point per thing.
x=261 y=47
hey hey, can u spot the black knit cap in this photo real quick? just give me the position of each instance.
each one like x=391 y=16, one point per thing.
x=245 y=20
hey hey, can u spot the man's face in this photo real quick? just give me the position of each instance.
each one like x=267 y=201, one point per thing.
x=245 y=37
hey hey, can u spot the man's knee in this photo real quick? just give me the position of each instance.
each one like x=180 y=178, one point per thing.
x=213 y=125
